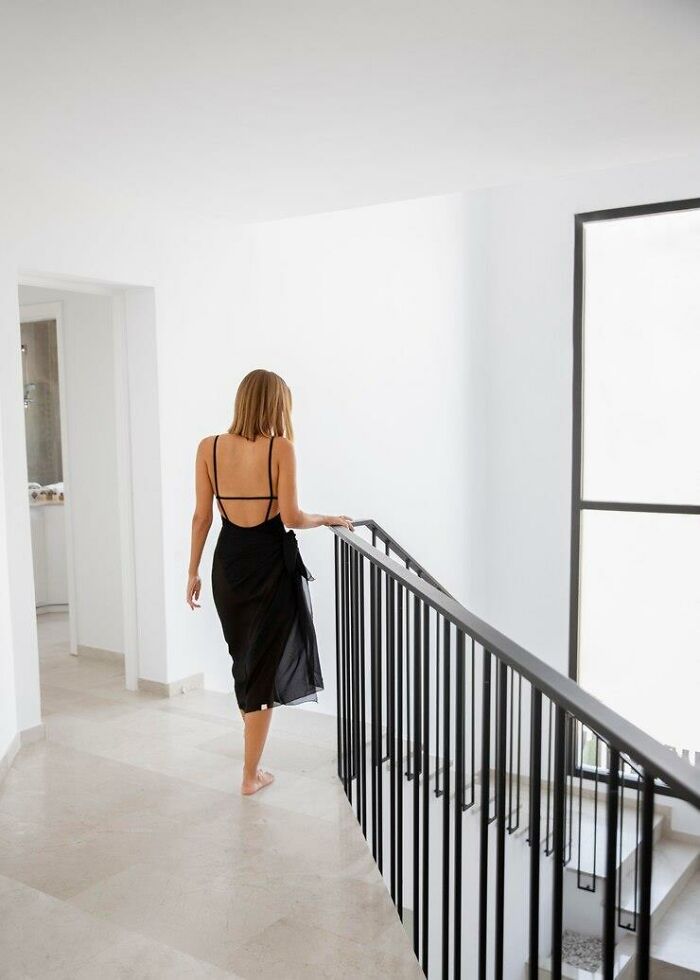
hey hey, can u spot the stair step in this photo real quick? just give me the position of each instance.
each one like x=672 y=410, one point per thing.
x=673 y=865
x=676 y=939
x=592 y=815
x=669 y=971
x=585 y=954
x=592 y=826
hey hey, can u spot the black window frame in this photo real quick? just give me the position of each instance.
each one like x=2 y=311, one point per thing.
x=578 y=503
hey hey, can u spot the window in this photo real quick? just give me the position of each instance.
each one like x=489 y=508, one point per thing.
x=635 y=614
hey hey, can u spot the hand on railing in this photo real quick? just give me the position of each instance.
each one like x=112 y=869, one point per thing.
x=341 y=520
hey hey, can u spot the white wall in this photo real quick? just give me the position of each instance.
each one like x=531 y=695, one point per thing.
x=89 y=397
x=62 y=231
x=366 y=315
x=18 y=651
x=376 y=317
x=8 y=712
x=455 y=304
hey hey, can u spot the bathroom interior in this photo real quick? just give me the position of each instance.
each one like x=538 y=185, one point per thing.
x=45 y=463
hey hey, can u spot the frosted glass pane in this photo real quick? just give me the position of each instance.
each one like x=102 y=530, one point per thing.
x=639 y=644
x=641 y=359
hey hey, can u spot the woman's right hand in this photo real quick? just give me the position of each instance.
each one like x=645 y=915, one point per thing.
x=342 y=520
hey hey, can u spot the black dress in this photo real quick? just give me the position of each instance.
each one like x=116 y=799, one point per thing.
x=260 y=587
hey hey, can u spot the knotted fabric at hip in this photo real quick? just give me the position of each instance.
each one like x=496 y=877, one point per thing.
x=292 y=558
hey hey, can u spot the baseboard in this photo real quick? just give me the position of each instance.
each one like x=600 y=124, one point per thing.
x=25 y=737
x=171 y=689
x=164 y=689
x=9 y=756
x=98 y=653
x=52 y=607
x=30 y=735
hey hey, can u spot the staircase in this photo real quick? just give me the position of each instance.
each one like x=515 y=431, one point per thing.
x=675 y=947
x=675 y=916
x=675 y=889
x=457 y=746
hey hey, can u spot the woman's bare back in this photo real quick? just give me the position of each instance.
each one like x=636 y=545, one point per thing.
x=244 y=468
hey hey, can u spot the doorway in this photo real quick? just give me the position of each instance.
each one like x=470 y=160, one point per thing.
x=79 y=464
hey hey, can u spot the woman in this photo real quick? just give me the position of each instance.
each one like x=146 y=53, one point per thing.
x=259 y=581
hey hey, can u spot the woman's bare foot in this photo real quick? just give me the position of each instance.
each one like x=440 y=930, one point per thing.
x=259 y=781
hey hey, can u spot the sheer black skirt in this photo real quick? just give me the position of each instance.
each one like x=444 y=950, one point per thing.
x=260 y=587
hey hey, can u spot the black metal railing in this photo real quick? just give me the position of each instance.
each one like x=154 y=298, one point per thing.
x=442 y=719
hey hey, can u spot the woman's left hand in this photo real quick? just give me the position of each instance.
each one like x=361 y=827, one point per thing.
x=194 y=587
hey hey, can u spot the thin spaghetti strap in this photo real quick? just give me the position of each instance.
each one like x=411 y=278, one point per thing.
x=269 y=476
x=216 y=482
x=222 y=510
x=269 y=466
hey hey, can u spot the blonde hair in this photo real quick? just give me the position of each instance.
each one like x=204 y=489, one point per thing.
x=263 y=406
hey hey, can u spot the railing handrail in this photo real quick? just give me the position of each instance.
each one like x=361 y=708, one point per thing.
x=625 y=736
x=407 y=558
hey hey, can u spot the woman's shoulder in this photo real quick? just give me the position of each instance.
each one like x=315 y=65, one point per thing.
x=205 y=443
x=284 y=445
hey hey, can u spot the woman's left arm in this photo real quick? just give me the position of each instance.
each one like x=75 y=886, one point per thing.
x=201 y=520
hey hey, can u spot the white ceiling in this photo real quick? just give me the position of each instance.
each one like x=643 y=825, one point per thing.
x=261 y=109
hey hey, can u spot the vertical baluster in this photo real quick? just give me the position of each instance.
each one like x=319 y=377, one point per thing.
x=571 y=748
x=501 y=722
x=558 y=838
x=581 y=748
x=363 y=716
x=621 y=809
x=547 y=849
x=338 y=670
x=425 y=694
x=446 y=801
x=609 y=899
x=350 y=672
x=534 y=830
x=646 y=848
x=409 y=717
x=484 y=812
x=595 y=811
x=355 y=611
x=459 y=795
x=373 y=572
x=637 y=848
x=346 y=676
x=517 y=796
x=400 y=752
x=341 y=599
x=438 y=791
x=472 y=735
x=391 y=702
x=380 y=722
x=386 y=656
x=417 y=705
x=494 y=733
x=510 y=752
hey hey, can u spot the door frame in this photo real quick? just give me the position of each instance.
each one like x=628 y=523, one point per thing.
x=54 y=311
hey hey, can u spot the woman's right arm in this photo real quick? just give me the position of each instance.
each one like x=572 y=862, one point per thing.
x=290 y=512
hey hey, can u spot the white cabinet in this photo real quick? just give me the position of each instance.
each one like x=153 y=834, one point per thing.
x=49 y=553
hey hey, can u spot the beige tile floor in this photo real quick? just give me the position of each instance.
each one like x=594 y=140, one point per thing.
x=126 y=850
